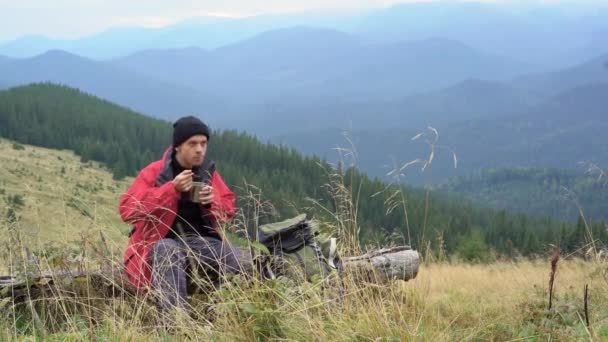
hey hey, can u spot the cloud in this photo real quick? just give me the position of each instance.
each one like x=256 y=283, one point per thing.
x=74 y=18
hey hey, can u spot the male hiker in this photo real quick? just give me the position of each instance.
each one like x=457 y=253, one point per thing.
x=173 y=230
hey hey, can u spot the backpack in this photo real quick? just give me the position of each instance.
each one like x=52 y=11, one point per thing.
x=296 y=246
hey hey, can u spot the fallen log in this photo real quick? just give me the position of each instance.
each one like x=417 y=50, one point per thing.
x=111 y=281
x=397 y=263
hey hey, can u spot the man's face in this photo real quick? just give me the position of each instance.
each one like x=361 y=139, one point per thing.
x=192 y=152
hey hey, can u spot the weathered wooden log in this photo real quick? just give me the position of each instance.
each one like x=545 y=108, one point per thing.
x=385 y=264
x=112 y=281
x=378 y=266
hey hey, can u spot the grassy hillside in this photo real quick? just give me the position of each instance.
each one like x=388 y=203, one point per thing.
x=57 y=198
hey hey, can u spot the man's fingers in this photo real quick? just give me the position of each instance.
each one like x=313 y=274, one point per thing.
x=206 y=191
x=185 y=175
x=183 y=181
x=207 y=199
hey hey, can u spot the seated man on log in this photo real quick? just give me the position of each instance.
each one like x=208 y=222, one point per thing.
x=175 y=205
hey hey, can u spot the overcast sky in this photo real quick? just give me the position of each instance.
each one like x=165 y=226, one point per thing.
x=75 y=18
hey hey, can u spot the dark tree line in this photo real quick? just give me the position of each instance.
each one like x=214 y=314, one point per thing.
x=538 y=191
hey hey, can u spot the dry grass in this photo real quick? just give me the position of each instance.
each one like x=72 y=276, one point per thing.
x=447 y=302
x=63 y=197
x=492 y=292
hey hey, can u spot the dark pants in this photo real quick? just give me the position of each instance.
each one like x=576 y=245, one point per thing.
x=173 y=260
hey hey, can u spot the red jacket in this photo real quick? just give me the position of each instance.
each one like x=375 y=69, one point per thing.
x=150 y=205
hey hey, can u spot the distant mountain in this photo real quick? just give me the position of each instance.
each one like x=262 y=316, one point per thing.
x=474 y=99
x=588 y=102
x=328 y=76
x=527 y=35
x=122 y=86
x=4 y=59
x=467 y=100
x=290 y=63
x=303 y=49
x=28 y=46
x=417 y=19
x=598 y=41
x=555 y=82
x=559 y=133
x=3 y=83
x=257 y=69
x=183 y=66
x=206 y=32
x=398 y=69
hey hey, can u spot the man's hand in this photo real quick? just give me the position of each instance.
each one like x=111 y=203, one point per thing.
x=206 y=195
x=183 y=181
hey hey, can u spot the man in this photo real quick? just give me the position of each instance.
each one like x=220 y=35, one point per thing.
x=173 y=234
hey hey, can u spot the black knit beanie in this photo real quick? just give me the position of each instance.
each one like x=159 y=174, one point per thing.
x=186 y=127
